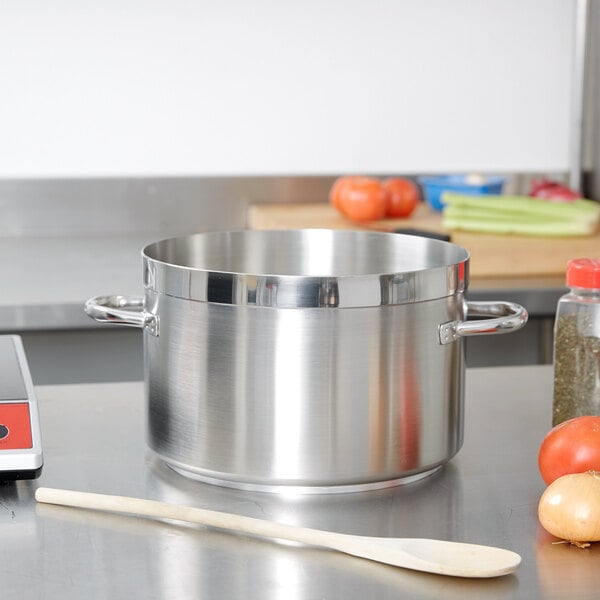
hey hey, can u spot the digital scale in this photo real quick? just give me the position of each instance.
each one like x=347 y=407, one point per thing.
x=20 y=440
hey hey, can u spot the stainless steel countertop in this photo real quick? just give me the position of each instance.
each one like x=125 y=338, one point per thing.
x=93 y=439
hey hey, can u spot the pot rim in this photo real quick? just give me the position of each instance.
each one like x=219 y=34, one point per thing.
x=305 y=268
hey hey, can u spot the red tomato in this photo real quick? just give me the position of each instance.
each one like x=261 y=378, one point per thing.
x=570 y=447
x=402 y=197
x=360 y=199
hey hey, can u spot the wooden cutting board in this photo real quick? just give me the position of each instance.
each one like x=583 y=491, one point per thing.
x=492 y=256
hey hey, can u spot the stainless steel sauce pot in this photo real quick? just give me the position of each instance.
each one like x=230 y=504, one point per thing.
x=312 y=360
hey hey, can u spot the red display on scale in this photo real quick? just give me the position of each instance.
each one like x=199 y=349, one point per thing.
x=15 y=426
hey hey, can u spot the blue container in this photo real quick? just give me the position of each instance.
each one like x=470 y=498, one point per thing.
x=434 y=187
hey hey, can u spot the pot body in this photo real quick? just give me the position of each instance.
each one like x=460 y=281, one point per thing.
x=305 y=397
x=311 y=360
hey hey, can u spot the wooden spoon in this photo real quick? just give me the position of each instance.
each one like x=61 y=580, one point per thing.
x=432 y=556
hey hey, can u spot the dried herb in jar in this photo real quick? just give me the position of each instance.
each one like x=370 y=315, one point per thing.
x=577 y=343
x=576 y=369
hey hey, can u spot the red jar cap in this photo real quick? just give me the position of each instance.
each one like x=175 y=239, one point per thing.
x=584 y=273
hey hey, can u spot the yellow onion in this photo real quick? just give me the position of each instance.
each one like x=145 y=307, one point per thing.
x=570 y=508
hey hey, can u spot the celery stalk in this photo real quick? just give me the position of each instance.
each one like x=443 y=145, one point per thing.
x=523 y=204
x=548 y=229
x=520 y=215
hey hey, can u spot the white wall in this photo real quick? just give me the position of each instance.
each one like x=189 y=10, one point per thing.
x=194 y=87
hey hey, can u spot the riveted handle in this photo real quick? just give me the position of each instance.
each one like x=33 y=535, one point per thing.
x=505 y=317
x=122 y=310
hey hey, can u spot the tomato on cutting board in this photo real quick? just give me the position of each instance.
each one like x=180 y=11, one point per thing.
x=570 y=447
x=402 y=197
x=359 y=198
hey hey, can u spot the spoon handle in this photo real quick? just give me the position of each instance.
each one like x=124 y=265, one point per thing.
x=434 y=556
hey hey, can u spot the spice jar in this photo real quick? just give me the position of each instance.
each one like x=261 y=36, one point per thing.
x=577 y=343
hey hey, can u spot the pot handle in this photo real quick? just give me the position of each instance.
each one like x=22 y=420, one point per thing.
x=122 y=310
x=506 y=317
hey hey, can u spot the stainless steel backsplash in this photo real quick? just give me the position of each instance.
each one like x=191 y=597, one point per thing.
x=160 y=206
x=129 y=206
x=591 y=113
